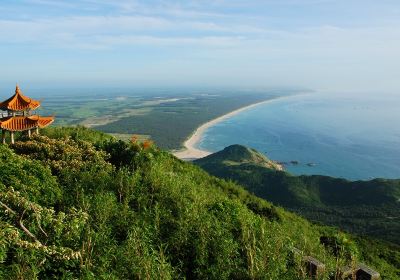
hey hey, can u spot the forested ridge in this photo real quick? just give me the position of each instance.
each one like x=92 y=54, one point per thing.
x=363 y=207
x=78 y=204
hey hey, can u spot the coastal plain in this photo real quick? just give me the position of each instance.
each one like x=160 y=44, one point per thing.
x=168 y=118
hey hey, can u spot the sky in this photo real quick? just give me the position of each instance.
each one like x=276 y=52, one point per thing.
x=327 y=45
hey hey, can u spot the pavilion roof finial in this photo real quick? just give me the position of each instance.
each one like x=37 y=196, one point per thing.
x=17 y=89
x=19 y=102
x=19 y=116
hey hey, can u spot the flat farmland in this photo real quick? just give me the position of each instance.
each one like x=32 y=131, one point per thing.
x=167 y=118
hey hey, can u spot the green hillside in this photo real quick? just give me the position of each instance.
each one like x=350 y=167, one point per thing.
x=363 y=207
x=239 y=155
x=107 y=209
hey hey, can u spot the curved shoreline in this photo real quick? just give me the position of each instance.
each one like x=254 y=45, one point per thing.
x=190 y=152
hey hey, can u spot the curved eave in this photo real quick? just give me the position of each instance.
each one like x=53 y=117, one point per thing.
x=19 y=102
x=42 y=121
x=22 y=123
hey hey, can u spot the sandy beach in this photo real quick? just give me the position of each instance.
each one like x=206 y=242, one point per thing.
x=190 y=152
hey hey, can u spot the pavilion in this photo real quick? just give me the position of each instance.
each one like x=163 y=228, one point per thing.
x=19 y=116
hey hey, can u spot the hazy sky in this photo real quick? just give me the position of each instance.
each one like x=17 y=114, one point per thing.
x=342 y=45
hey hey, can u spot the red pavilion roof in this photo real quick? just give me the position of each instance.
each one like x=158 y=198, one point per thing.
x=21 y=123
x=19 y=102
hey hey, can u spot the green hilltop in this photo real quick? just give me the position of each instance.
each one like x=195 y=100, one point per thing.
x=363 y=207
x=237 y=155
x=78 y=204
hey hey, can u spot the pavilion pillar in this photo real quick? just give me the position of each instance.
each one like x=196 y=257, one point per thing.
x=3 y=136
x=12 y=137
x=37 y=130
x=29 y=133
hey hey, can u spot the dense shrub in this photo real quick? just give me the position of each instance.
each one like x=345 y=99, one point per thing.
x=70 y=210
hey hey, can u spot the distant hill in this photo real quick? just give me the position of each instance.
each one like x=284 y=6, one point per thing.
x=238 y=155
x=363 y=207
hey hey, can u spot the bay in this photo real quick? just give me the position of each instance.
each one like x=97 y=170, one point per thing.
x=348 y=136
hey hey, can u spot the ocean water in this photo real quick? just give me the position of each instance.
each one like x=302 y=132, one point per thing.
x=353 y=137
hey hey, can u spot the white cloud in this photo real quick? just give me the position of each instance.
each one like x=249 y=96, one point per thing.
x=207 y=41
x=200 y=39
x=87 y=30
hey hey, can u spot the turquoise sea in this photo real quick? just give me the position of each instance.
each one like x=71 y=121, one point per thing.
x=349 y=136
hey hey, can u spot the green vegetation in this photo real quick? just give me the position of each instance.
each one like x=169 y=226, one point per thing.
x=168 y=119
x=88 y=108
x=76 y=133
x=237 y=155
x=170 y=123
x=108 y=209
x=363 y=207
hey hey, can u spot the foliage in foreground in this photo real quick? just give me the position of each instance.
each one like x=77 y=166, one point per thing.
x=129 y=211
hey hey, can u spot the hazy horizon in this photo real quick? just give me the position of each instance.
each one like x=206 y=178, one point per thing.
x=324 y=45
